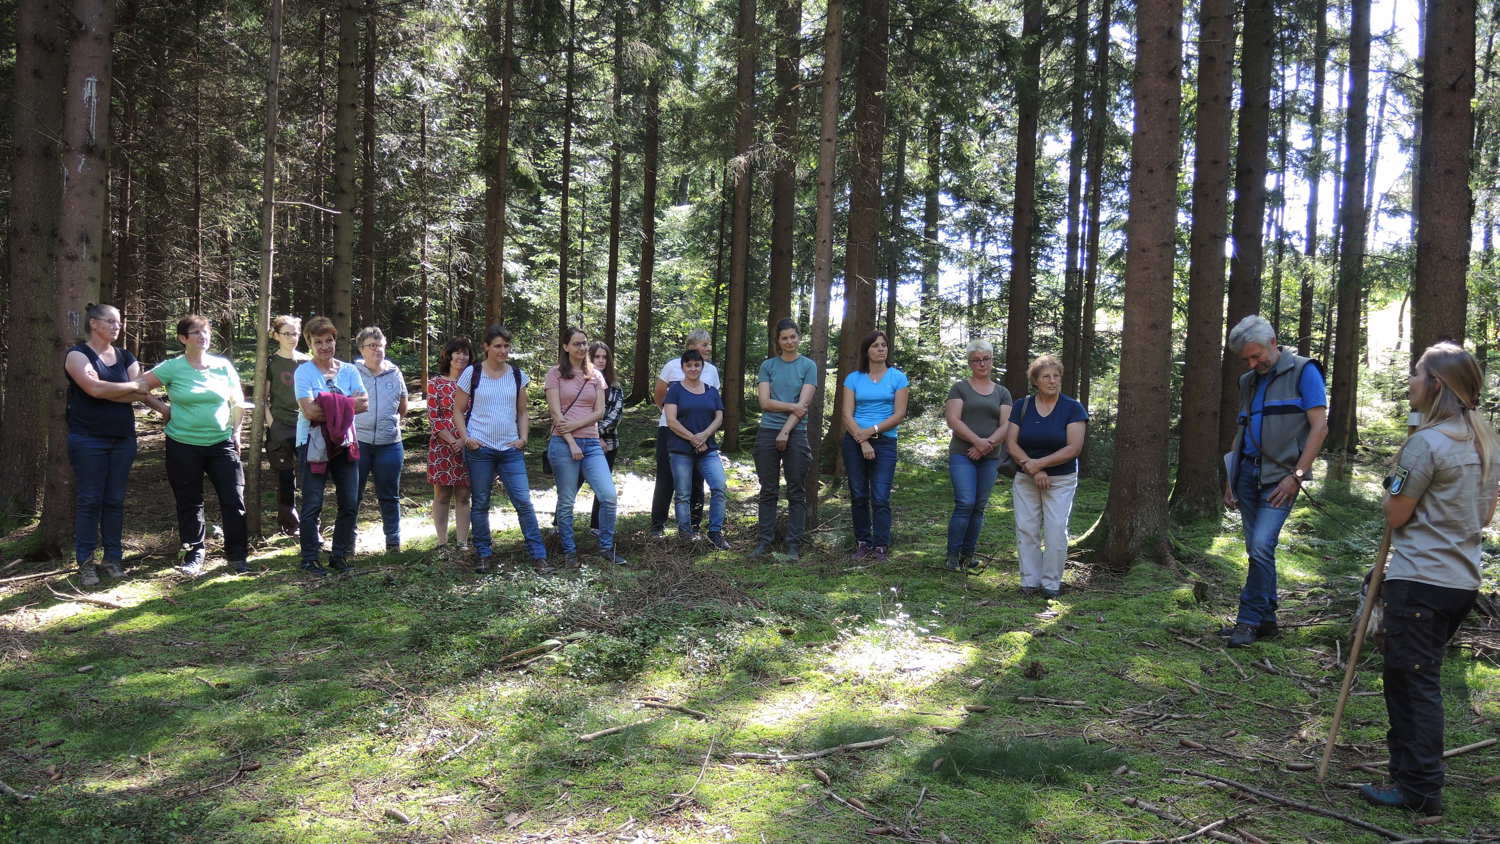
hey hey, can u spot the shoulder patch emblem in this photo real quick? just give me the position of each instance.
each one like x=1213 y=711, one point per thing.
x=1397 y=480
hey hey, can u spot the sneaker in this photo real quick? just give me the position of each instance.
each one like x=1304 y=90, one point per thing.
x=1030 y=591
x=1266 y=630
x=340 y=565
x=113 y=568
x=610 y=555
x=1052 y=593
x=1395 y=797
x=1243 y=636
x=717 y=540
x=953 y=563
x=88 y=576
x=968 y=562
x=192 y=562
x=239 y=567
x=880 y=553
x=570 y=559
x=315 y=569
x=658 y=532
x=861 y=551
x=763 y=549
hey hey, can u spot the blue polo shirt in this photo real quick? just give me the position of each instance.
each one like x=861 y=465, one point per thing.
x=1311 y=394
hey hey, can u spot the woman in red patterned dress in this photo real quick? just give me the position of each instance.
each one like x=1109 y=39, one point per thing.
x=446 y=470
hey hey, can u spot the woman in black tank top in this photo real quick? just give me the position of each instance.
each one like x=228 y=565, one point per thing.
x=101 y=439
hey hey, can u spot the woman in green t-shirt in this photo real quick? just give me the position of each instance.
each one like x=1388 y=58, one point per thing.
x=203 y=438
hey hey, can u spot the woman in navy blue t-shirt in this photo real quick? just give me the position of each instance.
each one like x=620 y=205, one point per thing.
x=1045 y=438
x=694 y=413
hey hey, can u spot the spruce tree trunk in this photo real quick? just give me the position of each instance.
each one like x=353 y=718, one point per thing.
x=1305 y=295
x=860 y=270
x=1351 y=241
x=422 y=250
x=1023 y=220
x=928 y=320
x=1445 y=203
x=739 y=242
x=823 y=250
x=1197 y=489
x=82 y=231
x=1077 y=139
x=616 y=154
x=267 y=272
x=497 y=176
x=1137 y=509
x=784 y=175
x=367 y=185
x=35 y=201
x=563 y=244
x=1248 y=261
x=642 y=383
x=1094 y=173
x=345 y=154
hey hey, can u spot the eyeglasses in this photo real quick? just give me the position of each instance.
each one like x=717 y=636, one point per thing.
x=286 y=334
x=980 y=360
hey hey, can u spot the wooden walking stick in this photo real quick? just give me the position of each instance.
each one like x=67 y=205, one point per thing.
x=1377 y=577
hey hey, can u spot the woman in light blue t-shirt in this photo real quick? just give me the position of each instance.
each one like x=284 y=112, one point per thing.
x=874 y=404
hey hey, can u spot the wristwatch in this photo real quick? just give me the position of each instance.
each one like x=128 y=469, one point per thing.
x=1300 y=474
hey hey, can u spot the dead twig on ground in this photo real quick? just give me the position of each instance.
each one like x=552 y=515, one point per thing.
x=34 y=575
x=612 y=730
x=1204 y=830
x=1190 y=643
x=1294 y=804
x=1229 y=659
x=816 y=754
x=702 y=716
x=1051 y=701
x=86 y=599
x=1179 y=820
x=18 y=796
x=458 y=750
x=683 y=798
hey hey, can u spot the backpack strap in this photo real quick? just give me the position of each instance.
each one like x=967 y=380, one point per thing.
x=516 y=372
x=476 y=370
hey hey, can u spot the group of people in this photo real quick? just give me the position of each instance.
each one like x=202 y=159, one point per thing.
x=328 y=419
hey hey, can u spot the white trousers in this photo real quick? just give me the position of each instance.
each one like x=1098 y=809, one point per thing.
x=1042 y=520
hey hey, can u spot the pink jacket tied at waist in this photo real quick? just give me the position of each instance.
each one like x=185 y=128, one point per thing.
x=334 y=435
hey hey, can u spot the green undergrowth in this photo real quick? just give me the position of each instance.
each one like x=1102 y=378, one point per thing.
x=417 y=701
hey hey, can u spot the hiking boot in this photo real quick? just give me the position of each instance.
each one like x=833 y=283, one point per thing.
x=610 y=555
x=1030 y=591
x=340 y=565
x=1266 y=630
x=861 y=551
x=114 y=569
x=763 y=549
x=792 y=553
x=1051 y=593
x=880 y=553
x=239 y=566
x=88 y=576
x=288 y=520
x=953 y=563
x=1244 y=635
x=314 y=569
x=1395 y=797
x=717 y=540
x=570 y=559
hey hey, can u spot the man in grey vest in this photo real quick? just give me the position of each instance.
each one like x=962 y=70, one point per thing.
x=1283 y=419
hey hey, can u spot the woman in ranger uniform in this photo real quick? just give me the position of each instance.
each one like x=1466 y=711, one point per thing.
x=1438 y=500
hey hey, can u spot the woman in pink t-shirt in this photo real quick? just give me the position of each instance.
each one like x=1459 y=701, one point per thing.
x=576 y=394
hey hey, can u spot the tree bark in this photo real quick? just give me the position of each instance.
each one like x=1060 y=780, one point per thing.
x=1094 y=173
x=1023 y=221
x=1352 y=240
x=1197 y=489
x=1137 y=509
x=1248 y=260
x=422 y=268
x=81 y=234
x=739 y=242
x=35 y=202
x=895 y=232
x=345 y=129
x=1305 y=296
x=928 y=321
x=267 y=272
x=864 y=191
x=563 y=244
x=367 y=184
x=497 y=182
x=784 y=174
x=1077 y=140
x=616 y=161
x=1445 y=204
x=642 y=382
x=823 y=250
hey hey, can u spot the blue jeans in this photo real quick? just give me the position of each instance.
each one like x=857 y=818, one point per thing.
x=973 y=480
x=1262 y=524
x=101 y=467
x=570 y=474
x=386 y=461
x=870 y=489
x=345 y=475
x=711 y=469
x=485 y=464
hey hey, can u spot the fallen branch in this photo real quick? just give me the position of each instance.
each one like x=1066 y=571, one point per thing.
x=1294 y=804
x=1204 y=830
x=683 y=798
x=1227 y=658
x=816 y=754
x=1200 y=646
x=1051 y=701
x=612 y=730
x=87 y=599
x=239 y=768
x=704 y=716
x=19 y=796
x=457 y=750
x=34 y=575
x=1179 y=820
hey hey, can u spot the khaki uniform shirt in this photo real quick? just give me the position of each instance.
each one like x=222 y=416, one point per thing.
x=1440 y=544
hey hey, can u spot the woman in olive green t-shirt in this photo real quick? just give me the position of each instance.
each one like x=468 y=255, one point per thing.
x=203 y=438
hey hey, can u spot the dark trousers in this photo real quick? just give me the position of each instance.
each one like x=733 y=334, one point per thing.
x=770 y=465
x=345 y=475
x=661 y=496
x=101 y=467
x=286 y=488
x=609 y=457
x=186 y=466
x=1419 y=620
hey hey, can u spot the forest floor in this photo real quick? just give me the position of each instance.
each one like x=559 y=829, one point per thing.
x=416 y=701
